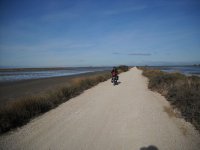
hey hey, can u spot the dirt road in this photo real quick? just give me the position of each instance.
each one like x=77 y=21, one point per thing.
x=123 y=117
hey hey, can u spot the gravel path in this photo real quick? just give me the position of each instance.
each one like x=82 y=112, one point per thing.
x=106 y=117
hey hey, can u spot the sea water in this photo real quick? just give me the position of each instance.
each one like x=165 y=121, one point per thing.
x=187 y=70
x=26 y=74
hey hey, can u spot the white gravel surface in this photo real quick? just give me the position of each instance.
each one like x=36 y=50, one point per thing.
x=124 y=117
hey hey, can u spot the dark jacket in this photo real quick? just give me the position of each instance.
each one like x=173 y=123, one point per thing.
x=114 y=72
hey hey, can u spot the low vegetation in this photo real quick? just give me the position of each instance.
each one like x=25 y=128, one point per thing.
x=123 y=68
x=19 y=112
x=183 y=92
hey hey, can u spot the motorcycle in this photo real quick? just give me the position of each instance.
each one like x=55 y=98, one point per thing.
x=114 y=80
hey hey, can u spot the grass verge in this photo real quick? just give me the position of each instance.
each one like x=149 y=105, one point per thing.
x=183 y=92
x=20 y=111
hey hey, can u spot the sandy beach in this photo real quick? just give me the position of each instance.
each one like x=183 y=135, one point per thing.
x=10 y=91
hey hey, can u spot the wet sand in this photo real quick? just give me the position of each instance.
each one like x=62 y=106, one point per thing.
x=13 y=90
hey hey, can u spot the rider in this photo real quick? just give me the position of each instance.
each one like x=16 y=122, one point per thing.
x=114 y=73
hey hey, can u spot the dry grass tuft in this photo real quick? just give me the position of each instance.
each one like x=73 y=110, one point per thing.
x=181 y=91
x=184 y=130
x=19 y=112
x=171 y=113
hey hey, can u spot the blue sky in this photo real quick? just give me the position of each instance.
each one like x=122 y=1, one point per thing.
x=99 y=33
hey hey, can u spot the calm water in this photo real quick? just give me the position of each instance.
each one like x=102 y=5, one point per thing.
x=187 y=70
x=7 y=76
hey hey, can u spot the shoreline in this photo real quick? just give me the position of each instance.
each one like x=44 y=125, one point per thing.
x=20 y=111
x=9 y=91
x=178 y=69
x=181 y=91
x=49 y=69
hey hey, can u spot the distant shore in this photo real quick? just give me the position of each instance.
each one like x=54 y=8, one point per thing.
x=191 y=70
x=47 y=68
x=10 y=91
x=17 y=74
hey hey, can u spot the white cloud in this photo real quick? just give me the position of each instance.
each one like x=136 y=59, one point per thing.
x=62 y=15
x=132 y=54
x=123 y=10
x=139 y=54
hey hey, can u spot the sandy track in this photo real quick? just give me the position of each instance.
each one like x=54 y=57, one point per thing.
x=107 y=117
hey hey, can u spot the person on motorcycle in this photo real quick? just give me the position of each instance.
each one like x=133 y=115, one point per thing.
x=114 y=73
